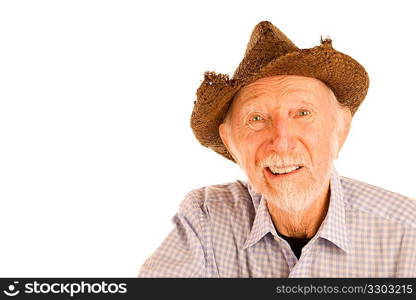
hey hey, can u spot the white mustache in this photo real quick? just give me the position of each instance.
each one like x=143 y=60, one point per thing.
x=280 y=161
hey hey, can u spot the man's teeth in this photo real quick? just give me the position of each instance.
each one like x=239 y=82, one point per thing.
x=284 y=170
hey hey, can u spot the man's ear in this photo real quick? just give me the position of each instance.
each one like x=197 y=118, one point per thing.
x=346 y=122
x=224 y=132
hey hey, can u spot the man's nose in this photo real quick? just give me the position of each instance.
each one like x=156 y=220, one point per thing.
x=281 y=137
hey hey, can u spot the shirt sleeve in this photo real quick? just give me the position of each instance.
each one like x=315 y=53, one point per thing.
x=181 y=254
x=406 y=266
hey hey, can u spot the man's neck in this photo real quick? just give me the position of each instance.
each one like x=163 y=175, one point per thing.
x=302 y=224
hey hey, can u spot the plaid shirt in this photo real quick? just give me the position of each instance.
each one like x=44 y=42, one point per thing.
x=225 y=230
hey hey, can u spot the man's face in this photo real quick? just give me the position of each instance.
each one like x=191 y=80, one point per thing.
x=285 y=132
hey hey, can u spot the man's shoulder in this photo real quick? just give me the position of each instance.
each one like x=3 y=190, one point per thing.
x=224 y=194
x=378 y=201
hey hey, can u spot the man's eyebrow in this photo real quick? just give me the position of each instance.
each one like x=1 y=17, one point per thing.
x=251 y=98
x=252 y=102
x=308 y=103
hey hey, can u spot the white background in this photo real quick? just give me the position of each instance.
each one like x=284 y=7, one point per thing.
x=96 y=150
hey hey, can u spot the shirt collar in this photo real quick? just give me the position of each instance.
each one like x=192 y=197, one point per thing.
x=333 y=228
x=263 y=223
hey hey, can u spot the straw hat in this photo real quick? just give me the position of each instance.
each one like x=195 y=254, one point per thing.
x=269 y=52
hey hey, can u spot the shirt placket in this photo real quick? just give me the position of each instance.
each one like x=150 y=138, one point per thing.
x=288 y=254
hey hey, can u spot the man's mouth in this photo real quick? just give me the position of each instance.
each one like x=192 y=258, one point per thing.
x=281 y=171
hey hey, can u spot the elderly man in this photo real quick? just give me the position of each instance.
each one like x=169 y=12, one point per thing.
x=283 y=118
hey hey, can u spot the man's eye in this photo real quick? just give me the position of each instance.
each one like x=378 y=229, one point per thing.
x=303 y=113
x=256 y=118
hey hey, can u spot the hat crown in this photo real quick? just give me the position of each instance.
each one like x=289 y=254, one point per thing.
x=266 y=43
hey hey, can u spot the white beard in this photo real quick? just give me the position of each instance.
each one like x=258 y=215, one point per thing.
x=294 y=198
x=291 y=195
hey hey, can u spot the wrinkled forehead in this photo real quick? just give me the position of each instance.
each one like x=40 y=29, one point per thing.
x=285 y=86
